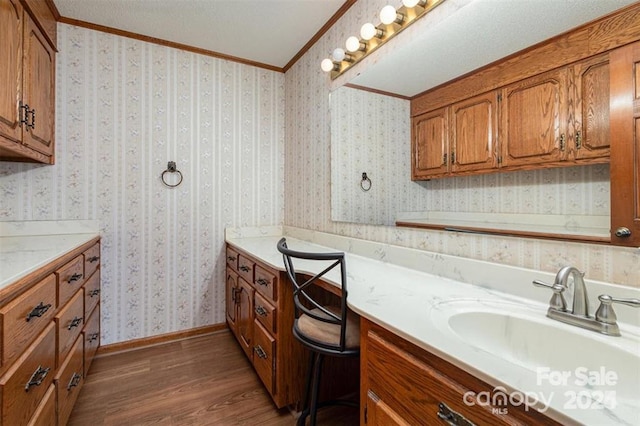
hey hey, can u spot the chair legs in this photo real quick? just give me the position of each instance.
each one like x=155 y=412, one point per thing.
x=310 y=407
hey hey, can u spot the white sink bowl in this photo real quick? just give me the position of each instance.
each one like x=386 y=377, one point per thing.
x=524 y=336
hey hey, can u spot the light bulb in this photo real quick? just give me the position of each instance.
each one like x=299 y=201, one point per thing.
x=368 y=31
x=338 y=54
x=413 y=3
x=327 y=65
x=388 y=14
x=353 y=44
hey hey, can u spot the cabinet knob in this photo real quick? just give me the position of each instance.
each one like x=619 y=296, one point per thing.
x=623 y=232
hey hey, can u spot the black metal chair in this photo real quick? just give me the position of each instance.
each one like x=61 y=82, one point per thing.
x=324 y=330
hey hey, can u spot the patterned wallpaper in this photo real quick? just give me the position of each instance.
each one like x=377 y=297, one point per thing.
x=124 y=109
x=308 y=182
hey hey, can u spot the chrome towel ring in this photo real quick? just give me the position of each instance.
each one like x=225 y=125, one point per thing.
x=365 y=183
x=171 y=168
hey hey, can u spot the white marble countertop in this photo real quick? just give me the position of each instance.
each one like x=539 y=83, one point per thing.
x=409 y=303
x=27 y=246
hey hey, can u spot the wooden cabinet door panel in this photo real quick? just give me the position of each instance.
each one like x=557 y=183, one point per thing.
x=430 y=145
x=39 y=77
x=244 y=319
x=473 y=133
x=625 y=147
x=380 y=414
x=591 y=94
x=231 y=294
x=534 y=120
x=11 y=69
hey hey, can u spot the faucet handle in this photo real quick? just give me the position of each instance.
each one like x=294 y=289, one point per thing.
x=557 y=301
x=605 y=312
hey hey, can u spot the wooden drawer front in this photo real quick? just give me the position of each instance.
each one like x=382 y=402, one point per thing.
x=69 y=380
x=265 y=283
x=265 y=313
x=91 y=293
x=232 y=258
x=26 y=316
x=91 y=336
x=33 y=371
x=91 y=259
x=69 y=322
x=264 y=351
x=245 y=268
x=45 y=414
x=414 y=390
x=70 y=279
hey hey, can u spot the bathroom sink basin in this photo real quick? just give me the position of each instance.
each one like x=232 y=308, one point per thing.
x=524 y=336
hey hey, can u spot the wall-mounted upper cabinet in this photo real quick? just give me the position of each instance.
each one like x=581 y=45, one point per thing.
x=26 y=84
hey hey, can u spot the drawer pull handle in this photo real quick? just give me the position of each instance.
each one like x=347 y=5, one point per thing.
x=451 y=417
x=38 y=311
x=262 y=281
x=74 y=277
x=93 y=259
x=37 y=377
x=74 y=323
x=75 y=381
x=93 y=337
x=260 y=311
x=245 y=268
x=231 y=258
x=95 y=292
x=261 y=353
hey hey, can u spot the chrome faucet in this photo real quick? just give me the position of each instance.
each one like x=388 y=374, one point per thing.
x=605 y=319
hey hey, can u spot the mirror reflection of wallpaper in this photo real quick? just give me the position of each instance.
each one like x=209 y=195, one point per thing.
x=371 y=133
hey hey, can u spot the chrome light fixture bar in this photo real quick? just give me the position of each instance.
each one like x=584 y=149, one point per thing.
x=372 y=37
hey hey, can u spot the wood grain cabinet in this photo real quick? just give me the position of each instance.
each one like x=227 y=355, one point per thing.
x=260 y=314
x=430 y=144
x=27 y=82
x=402 y=384
x=50 y=333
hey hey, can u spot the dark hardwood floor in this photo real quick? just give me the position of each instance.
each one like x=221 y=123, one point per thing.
x=205 y=380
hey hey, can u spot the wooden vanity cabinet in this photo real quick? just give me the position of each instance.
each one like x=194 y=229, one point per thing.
x=402 y=384
x=44 y=333
x=27 y=82
x=260 y=313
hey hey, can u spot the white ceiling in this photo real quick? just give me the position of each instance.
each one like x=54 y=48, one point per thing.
x=462 y=35
x=266 y=31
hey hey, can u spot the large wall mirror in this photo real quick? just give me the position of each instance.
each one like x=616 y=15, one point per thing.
x=370 y=131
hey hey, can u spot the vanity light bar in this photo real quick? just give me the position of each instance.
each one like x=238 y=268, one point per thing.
x=372 y=37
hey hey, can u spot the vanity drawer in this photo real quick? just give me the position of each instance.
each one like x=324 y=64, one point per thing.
x=69 y=380
x=264 y=351
x=91 y=259
x=69 y=322
x=245 y=268
x=232 y=258
x=91 y=293
x=70 y=279
x=91 y=336
x=265 y=313
x=45 y=414
x=26 y=382
x=26 y=316
x=265 y=283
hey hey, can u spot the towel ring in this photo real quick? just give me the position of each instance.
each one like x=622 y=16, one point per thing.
x=365 y=183
x=171 y=168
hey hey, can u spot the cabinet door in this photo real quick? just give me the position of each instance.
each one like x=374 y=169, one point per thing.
x=534 y=120
x=244 y=319
x=591 y=99
x=625 y=147
x=39 y=77
x=11 y=69
x=231 y=295
x=430 y=145
x=473 y=133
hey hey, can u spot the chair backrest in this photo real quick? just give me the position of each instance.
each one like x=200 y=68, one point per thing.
x=301 y=283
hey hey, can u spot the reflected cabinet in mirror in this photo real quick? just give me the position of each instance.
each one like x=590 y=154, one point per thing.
x=531 y=159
